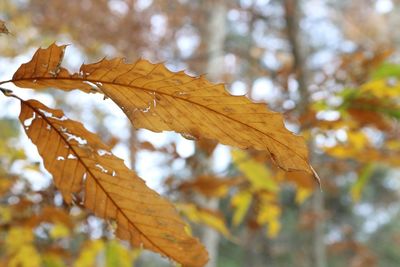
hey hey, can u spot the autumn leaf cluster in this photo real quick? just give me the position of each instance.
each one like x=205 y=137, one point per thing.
x=87 y=173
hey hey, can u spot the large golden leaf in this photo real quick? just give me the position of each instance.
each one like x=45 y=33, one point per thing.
x=159 y=100
x=82 y=165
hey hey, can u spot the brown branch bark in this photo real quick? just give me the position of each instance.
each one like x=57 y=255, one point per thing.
x=292 y=27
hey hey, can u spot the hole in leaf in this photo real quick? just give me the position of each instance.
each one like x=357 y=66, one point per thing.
x=93 y=86
x=71 y=156
x=29 y=121
x=103 y=152
x=50 y=115
x=80 y=140
x=104 y=170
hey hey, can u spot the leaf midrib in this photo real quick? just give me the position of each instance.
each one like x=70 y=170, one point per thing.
x=163 y=93
x=90 y=172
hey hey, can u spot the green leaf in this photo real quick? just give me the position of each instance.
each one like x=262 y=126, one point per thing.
x=386 y=70
x=358 y=186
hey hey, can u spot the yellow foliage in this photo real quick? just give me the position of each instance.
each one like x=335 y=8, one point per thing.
x=52 y=260
x=26 y=256
x=357 y=139
x=20 y=249
x=258 y=174
x=339 y=152
x=5 y=185
x=113 y=252
x=269 y=214
x=302 y=194
x=18 y=237
x=393 y=145
x=356 y=142
x=118 y=255
x=59 y=230
x=241 y=203
x=89 y=254
x=273 y=229
x=381 y=88
x=211 y=218
x=357 y=188
x=5 y=214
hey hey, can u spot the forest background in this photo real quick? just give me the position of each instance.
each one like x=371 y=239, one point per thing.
x=331 y=68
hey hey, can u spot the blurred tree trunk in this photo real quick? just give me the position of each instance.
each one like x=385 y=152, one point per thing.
x=299 y=67
x=319 y=243
x=292 y=16
x=216 y=33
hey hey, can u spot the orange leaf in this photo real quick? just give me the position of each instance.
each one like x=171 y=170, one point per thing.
x=51 y=214
x=210 y=186
x=81 y=164
x=159 y=100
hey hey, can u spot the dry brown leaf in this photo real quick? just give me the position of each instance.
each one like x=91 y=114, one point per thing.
x=370 y=117
x=207 y=146
x=157 y=99
x=51 y=214
x=301 y=179
x=81 y=164
x=3 y=28
x=210 y=186
x=5 y=185
x=146 y=145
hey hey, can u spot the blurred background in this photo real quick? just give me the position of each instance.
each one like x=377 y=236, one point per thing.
x=331 y=67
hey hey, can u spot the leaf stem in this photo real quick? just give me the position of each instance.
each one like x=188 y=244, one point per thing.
x=7 y=92
x=3 y=82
